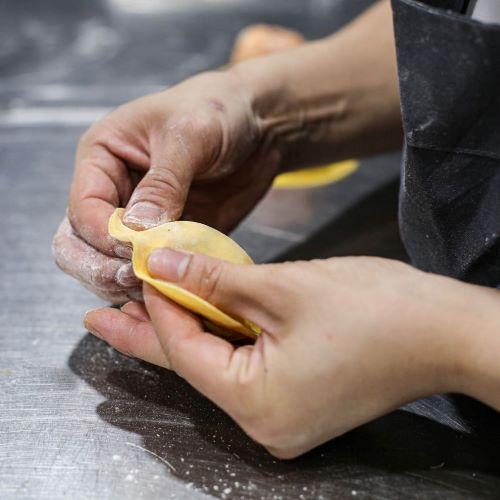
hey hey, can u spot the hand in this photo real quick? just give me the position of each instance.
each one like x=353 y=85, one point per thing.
x=194 y=151
x=345 y=340
x=209 y=148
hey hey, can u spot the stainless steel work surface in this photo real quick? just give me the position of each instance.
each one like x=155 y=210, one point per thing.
x=80 y=421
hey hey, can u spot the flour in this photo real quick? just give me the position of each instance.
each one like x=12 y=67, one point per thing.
x=111 y=278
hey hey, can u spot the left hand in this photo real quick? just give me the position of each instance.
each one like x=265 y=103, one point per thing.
x=345 y=340
x=196 y=150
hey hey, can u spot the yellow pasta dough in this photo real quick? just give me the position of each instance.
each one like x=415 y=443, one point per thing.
x=315 y=176
x=194 y=237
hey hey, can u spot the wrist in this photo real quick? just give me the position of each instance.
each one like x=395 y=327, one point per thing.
x=294 y=106
x=478 y=367
x=441 y=317
x=463 y=338
x=326 y=100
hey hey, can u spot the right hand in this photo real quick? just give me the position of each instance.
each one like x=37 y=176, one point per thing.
x=343 y=340
x=194 y=151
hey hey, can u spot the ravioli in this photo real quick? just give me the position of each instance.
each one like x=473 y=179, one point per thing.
x=193 y=237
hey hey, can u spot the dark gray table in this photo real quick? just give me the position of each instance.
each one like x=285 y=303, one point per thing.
x=80 y=421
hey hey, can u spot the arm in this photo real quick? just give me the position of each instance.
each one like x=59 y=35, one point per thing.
x=209 y=148
x=330 y=99
x=345 y=341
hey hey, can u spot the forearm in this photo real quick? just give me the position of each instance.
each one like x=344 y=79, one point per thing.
x=479 y=338
x=459 y=337
x=330 y=99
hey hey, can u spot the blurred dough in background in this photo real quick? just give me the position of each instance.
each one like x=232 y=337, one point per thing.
x=261 y=39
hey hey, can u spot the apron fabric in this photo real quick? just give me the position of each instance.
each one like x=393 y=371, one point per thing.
x=449 y=73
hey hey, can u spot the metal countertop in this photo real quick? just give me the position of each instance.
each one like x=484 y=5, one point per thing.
x=80 y=421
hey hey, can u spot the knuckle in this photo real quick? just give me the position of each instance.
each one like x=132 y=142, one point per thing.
x=89 y=135
x=172 y=346
x=197 y=125
x=96 y=271
x=101 y=276
x=102 y=279
x=160 y=183
x=199 y=137
x=166 y=178
x=103 y=273
x=207 y=278
x=126 y=341
x=100 y=273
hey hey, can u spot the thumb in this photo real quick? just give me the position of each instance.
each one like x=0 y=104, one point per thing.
x=161 y=195
x=243 y=290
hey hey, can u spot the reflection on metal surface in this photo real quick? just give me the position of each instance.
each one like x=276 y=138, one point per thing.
x=316 y=176
x=95 y=39
x=53 y=92
x=28 y=117
x=275 y=232
x=154 y=6
x=487 y=11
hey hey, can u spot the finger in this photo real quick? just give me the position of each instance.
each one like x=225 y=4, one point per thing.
x=251 y=292
x=210 y=364
x=135 y=294
x=85 y=263
x=125 y=276
x=100 y=184
x=161 y=195
x=137 y=310
x=126 y=334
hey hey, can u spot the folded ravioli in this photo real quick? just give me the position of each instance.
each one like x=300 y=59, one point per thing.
x=194 y=237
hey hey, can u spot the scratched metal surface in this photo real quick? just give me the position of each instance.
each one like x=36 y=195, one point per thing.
x=80 y=421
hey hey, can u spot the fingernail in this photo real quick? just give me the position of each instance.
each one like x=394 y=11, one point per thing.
x=143 y=215
x=168 y=264
x=125 y=275
x=89 y=326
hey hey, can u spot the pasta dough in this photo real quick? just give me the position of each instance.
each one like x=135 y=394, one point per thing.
x=190 y=236
x=315 y=176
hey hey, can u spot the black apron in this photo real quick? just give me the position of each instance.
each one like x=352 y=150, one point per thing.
x=449 y=72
